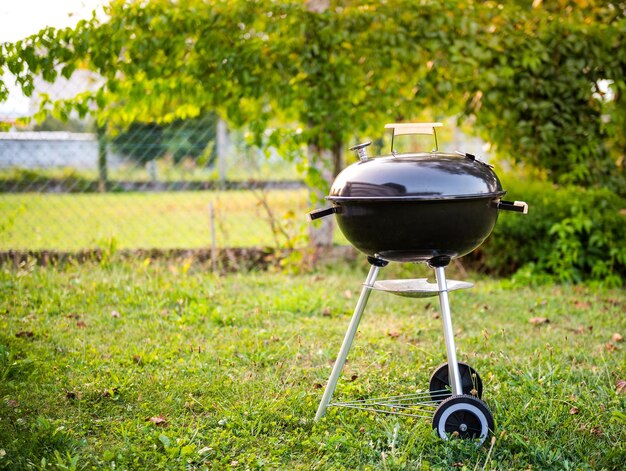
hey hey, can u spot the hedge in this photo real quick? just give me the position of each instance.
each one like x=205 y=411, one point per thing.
x=571 y=234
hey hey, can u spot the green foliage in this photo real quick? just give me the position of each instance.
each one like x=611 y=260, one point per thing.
x=141 y=142
x=539 y=95
x=192 y=138
x=334 y=73
x=570 y=233
x=183 y=138
x=529 y=79
x=73 y=180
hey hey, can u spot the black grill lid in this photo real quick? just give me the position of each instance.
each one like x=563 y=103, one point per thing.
x=412 y=177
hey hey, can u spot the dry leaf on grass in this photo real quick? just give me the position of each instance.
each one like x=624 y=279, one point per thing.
x=158 y=420
x=539 y=320
x=617 y=337
x=597 y=431
x=620 y=386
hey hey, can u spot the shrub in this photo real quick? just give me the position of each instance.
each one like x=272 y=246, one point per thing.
x=571 y=234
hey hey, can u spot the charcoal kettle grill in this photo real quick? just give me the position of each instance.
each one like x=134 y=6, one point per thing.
x=429 y=207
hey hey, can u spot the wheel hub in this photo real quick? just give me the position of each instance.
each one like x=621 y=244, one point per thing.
x=463 y=428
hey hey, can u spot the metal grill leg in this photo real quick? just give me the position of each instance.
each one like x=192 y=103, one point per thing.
x=448 y=332
x=347 y=341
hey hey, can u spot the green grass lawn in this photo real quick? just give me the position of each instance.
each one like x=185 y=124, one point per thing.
x=146 y=220
x=159 y=365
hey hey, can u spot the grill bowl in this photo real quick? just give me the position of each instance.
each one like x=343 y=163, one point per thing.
x=413 y=231
x=413 y=207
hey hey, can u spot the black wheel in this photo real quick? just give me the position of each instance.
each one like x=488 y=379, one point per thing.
x=471 y=384
x=463 y=417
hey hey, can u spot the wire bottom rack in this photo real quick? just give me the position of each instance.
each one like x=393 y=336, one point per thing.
x=419 y=404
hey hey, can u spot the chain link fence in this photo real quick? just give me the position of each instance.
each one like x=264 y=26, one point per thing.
x=71 y=186
x=189 y=184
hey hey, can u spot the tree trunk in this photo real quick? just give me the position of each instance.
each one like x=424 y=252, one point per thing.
x=103 y=176
x=329 y=163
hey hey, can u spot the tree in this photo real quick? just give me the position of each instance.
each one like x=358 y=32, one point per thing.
x=540 y=95
x=336 y=72
x=525 y=77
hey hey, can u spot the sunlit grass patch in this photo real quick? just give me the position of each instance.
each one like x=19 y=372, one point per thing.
x=146 y=220
x=137 y=365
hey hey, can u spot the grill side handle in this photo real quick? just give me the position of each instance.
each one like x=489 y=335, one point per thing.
x=320 y=213
x=516 y=206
